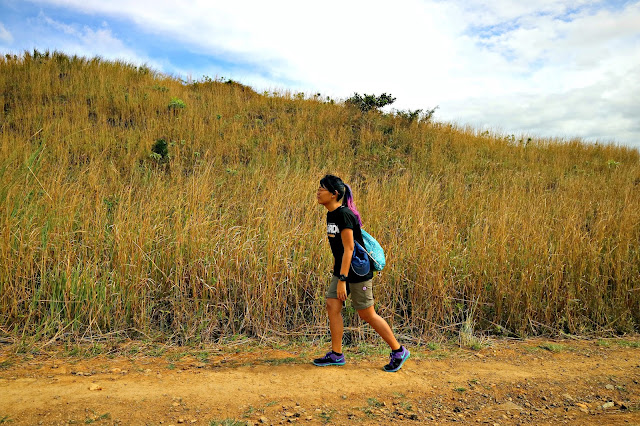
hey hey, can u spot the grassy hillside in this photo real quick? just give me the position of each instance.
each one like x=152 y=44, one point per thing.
x=107 y=231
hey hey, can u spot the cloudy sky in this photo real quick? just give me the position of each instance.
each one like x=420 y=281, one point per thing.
x=550 y=68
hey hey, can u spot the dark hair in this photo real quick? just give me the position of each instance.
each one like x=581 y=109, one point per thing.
x=335 y=185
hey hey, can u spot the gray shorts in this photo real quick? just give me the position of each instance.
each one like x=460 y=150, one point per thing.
x=361 y=293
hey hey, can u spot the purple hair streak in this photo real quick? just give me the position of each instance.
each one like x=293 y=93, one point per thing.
x=348 y=202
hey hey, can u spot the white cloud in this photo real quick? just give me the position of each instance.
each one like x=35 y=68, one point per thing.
x=580 y=79
x=5 y=35
x=494 y=63
x=83 y=40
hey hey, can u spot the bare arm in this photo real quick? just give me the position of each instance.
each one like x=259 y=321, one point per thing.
x=347 y=242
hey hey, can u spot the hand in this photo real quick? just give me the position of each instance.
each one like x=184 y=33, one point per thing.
x=342 y=290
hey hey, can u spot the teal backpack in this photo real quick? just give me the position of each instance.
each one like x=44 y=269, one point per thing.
x=375 y=251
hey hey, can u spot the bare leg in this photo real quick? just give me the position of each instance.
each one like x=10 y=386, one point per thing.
x=334 y=310
x=379 y=325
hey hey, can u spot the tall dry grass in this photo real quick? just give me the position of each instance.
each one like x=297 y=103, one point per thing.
x=99 y=237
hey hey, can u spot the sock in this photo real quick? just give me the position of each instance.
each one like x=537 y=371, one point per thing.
x=397 y=350
x=336 y=353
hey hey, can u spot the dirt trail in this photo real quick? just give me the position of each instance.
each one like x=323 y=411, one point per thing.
x=532 y=382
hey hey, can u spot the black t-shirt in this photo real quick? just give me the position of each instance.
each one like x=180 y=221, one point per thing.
x=337 y=220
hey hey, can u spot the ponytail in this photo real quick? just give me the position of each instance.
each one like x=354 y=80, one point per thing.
x=348 y=202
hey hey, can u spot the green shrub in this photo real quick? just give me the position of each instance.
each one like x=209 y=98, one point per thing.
x=176 y=103
x=160 y=150
x=368 y=102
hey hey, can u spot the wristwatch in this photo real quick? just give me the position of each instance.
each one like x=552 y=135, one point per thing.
x=342 y=278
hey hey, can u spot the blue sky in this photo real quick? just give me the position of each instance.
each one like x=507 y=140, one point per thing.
x=550 y=68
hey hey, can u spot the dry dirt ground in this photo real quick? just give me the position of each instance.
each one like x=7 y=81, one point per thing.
x=505 y=382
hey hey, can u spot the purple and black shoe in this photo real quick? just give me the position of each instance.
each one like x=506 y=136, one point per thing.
x=331 y=358
x=396 y=359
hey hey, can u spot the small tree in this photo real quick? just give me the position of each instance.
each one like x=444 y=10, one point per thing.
x=160 y=151
x=421 y=115
x=176 y=103
x=368 y=102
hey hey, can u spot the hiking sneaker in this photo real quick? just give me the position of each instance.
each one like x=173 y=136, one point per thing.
x=396 y=359
x=329 y=359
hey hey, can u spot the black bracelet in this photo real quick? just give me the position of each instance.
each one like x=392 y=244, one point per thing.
x=342 y=278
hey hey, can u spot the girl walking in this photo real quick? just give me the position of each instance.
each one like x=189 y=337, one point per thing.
x=343 y=228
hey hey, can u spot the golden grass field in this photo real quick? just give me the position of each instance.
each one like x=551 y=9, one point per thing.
x=222 y=236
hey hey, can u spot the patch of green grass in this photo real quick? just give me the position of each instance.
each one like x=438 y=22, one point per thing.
x=406 y=405
x=156 y=351
x=476 y=346
x=271 y=403
x=72 y=352
x=553 y=347
x=439 y=355
x=202 y=356
x=177 y=356
x=373 y=402
x=238 y=337
x=368 y=349
x=171 y=366
x=5 y=419
x=95 y=350
x=326 y=416
x=603 y=343
x=363 y=350
x=105 y=416
x=628 y=344
x=460 y=389
x=249 y=411
x=6 y=364
x=368 y=412
x=432 y=346
x=227 y=422
x=399 y=395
